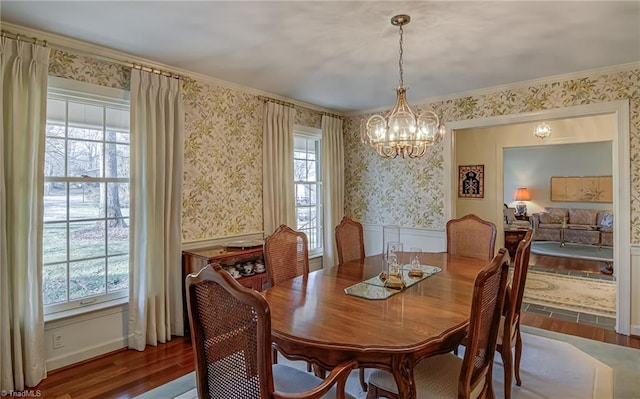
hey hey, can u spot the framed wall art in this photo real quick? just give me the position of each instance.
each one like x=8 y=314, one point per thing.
x=582 y=188
x=471 y=181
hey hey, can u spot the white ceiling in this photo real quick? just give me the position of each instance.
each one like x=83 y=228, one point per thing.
x=343 y=55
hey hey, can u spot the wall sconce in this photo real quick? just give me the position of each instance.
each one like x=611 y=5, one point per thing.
x=521 y=194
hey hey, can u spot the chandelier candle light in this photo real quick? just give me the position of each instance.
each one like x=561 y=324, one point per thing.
x=401 y=132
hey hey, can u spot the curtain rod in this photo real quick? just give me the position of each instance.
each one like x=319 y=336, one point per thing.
x=45 y=43
x=156 y=71
x=292 y=105
x=274 y=100
x=55 y=46
x=23 y=38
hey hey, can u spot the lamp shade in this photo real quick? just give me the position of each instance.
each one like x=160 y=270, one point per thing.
x=522 y=194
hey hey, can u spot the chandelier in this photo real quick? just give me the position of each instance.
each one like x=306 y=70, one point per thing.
x=542 y=130
x=402 y=132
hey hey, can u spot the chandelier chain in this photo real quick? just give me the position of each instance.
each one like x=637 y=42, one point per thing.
x=400 y=60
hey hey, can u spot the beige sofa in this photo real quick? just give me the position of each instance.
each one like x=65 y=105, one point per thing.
x=584 y=226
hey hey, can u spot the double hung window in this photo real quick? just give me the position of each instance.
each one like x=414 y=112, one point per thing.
x=86 y=196
x=308 y=186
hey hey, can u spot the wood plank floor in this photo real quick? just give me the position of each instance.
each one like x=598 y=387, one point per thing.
x=565 y=264
x=128 y=373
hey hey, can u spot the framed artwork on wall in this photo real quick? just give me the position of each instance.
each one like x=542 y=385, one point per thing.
x=471 y=181
x=582 y=188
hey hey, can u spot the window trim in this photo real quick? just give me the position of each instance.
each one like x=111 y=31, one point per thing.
x=316 y=134
x=72 y=90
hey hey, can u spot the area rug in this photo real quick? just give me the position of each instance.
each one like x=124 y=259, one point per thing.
x=578 y=294
x=553 y=366
x=571 y=250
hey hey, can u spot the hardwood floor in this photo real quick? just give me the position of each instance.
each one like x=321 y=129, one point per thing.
x=122 y=374
x=565 y=264
x=128 y=373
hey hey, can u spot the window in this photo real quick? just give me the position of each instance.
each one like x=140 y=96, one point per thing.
x=308 y=185
x=86 y=196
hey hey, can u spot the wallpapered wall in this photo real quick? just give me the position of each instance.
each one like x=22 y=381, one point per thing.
x=222 y=191
x=223 y=149
x=410 y=192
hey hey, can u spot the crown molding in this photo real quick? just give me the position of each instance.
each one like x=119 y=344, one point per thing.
x=65 y=43
x=513 y=86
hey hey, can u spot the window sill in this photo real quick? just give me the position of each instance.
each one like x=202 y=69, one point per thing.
x=85 y=309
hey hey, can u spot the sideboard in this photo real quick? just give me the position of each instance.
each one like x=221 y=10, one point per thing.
x=195 y=259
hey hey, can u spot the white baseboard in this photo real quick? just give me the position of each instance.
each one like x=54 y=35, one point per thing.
x=86 y=353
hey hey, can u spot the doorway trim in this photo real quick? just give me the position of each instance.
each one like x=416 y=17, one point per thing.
x=621 y=183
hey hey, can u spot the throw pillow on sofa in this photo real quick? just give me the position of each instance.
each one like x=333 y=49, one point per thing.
x=607 y=220
x=550 y=218
x=583 y=216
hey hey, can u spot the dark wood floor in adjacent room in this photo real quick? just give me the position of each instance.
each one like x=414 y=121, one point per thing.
x=565 y=264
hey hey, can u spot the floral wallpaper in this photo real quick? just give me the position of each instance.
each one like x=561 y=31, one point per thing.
x=222 y=189
x=410 y=192
x=89 y=70
x=222 y=192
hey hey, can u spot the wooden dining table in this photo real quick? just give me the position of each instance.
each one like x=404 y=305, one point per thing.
x=313 y=319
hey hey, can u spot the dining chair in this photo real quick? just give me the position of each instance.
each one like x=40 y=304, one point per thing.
x=286 y=255
x=349 y=240
x=350 y=246
x=509 y=334
x=231 y=335
x=471 y=236
x=448 y=376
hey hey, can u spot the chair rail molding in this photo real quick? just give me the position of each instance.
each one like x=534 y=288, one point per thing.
x=221 y=241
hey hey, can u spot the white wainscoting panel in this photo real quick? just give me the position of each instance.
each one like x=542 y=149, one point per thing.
x=428 y=240
x=635 y=290
x=86 y=335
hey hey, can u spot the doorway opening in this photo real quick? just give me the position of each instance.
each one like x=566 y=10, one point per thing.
x=490 y=153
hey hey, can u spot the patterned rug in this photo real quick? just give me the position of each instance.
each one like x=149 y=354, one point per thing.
x=552 y=367
x=574 y=293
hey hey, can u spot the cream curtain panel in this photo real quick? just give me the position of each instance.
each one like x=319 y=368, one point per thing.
x=277 y=167
x=333 y=183
x=157 y=137
x=23 y=68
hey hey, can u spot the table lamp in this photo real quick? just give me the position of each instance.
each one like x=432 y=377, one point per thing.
x=521 y=195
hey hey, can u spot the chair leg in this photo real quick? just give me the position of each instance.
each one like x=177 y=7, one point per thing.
x=274 y=355
x=516 y=367
x=363 y=383
x=374 y=392
x=507 y=362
